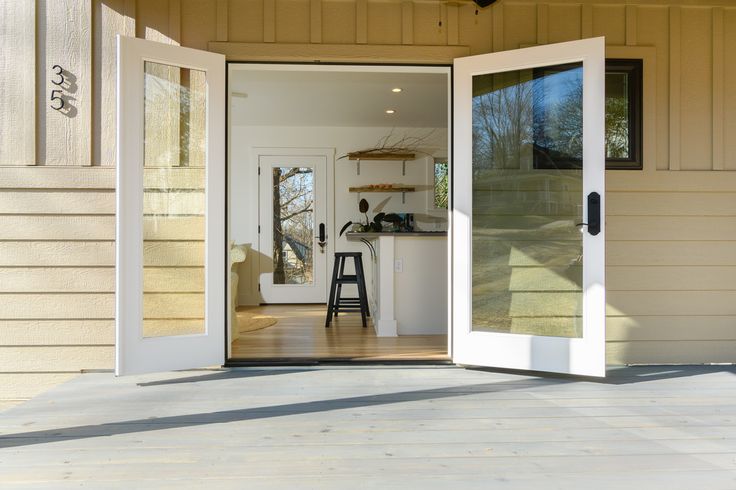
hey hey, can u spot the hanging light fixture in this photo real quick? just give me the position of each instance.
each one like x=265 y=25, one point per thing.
x=483 y=3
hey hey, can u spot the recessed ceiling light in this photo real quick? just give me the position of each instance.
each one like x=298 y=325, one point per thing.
x=396 y=90
x=390 y=111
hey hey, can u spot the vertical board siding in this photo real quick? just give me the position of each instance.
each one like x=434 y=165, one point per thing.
x=17 y=83
x=729 y=83
x=565 y=22
x=198 y=23
x=315 y=21
x=675 y=75
x=385 y=19
x=407 y=22
x=671 y=253
x=610 y=21
x=222 y=25
x=292 y=24
x=338 y=21
x=245 y=21
x=631 y=25
x=718 y=88
x=269 y=21
x=519 y=29
x=111 y=17
x=65 y=39
x=475 y=29
x=361 y=21
x=696 y=72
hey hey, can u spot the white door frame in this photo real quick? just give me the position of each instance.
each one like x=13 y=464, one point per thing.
x=135 y=353
x=329 y=156
x=586 y=355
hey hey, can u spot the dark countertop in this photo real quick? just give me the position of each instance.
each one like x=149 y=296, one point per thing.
x=358 y=234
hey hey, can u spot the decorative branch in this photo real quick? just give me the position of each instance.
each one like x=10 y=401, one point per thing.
x=405 y=144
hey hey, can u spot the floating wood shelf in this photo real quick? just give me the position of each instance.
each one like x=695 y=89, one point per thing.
x=383 y=156
x=372 y=155
x=382 y=189
x=395 y=188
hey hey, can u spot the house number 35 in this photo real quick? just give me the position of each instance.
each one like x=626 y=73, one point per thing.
x=57 y=101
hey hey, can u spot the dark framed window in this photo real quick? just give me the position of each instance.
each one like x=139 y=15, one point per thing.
x=624 y=80
x=557 y=115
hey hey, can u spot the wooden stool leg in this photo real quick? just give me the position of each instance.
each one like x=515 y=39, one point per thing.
x=339 y=286
x=361 y=284
x=331 y=301
x=361 y=290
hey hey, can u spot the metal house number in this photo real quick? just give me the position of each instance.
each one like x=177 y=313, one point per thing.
x=57 y=101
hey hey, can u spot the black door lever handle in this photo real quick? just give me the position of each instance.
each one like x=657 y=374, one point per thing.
x=594 y=213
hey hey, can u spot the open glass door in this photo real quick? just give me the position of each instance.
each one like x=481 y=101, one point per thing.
x=528 y=234
x=170 y=257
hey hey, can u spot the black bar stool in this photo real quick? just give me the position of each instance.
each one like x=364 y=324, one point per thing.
x=337 y=303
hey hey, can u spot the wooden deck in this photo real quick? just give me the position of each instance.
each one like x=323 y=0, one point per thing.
x=301 y=334
x=377 y=427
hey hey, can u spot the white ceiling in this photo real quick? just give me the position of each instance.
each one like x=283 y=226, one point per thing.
x=337 y=98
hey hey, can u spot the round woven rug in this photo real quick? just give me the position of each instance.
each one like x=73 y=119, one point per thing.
x=248 y=321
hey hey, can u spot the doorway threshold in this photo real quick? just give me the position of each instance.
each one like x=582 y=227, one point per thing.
x=335 y=361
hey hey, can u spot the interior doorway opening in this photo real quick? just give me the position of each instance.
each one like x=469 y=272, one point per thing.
x=307 y=144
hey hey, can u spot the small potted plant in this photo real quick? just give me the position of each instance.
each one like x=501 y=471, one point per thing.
x=371 y=226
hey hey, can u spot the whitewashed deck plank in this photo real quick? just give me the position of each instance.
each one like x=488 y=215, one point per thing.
x=390 y=427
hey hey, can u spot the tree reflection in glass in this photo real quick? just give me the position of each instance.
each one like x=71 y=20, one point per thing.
x=527 y=197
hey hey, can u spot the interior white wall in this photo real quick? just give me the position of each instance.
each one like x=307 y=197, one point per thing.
x=243 y=183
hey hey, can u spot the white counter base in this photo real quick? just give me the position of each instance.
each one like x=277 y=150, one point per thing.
x=412 y=302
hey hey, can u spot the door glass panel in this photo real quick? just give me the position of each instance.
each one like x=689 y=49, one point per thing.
x=174 y=201
x=527 y=199
x=293 y=225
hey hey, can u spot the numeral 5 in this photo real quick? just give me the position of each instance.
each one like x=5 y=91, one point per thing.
x=58 y=97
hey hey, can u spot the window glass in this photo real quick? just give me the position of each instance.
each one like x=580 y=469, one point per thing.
x=623 y=114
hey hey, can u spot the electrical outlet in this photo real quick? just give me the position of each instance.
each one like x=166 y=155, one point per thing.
x=399 y=265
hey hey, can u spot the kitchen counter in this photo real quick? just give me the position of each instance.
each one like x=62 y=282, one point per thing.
x=408 y=291
x=374 y=234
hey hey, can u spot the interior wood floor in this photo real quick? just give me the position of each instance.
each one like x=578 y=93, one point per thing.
x=300 y=333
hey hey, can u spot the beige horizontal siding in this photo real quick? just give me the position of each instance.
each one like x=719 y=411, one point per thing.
x=57 y=253
x=57 y=279
x=30 y=201
x=665 y=303
x=671 y=352
x=671 y=278
x=73 y=178
x=676 y=228
x=66 y=227
x=672 y=253
x=95 y=254
x=668 y=327
x=57 y=332
x=23 y=306
x=672 y=203
x=671 y=267
x=59 y=358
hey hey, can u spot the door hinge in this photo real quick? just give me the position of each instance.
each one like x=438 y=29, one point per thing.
x=259 y=286
x=259 y=170
x=259 y=229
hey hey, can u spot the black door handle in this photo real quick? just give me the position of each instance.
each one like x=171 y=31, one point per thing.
x=322 y=236
x=594 y=214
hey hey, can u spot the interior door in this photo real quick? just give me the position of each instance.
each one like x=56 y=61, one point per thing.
x=293 y=238
x=528 y=274
x=170 y=257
